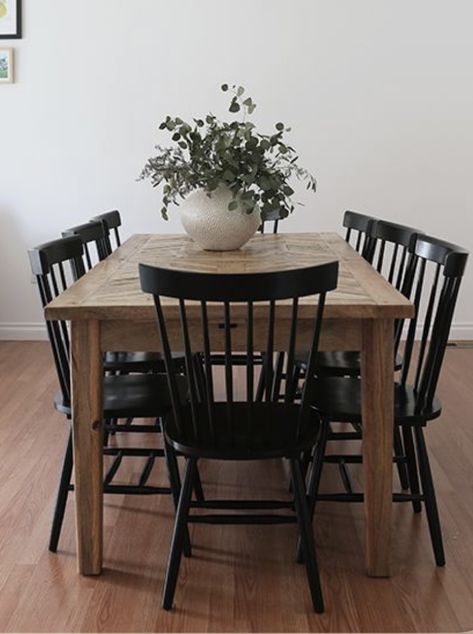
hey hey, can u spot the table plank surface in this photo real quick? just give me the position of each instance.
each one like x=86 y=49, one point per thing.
x=111 y=291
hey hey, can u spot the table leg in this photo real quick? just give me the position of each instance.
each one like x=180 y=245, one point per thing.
x=377 y=372
x=86 y=382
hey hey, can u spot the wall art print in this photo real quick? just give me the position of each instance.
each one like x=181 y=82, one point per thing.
x=10 y=19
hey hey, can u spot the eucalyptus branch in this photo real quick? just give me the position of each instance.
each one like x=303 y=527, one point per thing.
x=209 y=152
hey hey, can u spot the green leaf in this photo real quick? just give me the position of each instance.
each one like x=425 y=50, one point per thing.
x=280 y=126
x=264 y=183
x=240 y=91
x=224 y=87
x=183 y=145
x=232 y=205
x=251 y=108
x=176 y=136
x=234 y=106
x=287 y=190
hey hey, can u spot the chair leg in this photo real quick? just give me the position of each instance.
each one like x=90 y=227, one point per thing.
x=278 y=375
x=261 y=384
x=399 y=453
x=294 y=382
x=411 y=466
x=177 y=542
x=305 y=463
x=430 y=501
x=175 y=482
x=198 y=490
x=199 y=376
x=314 y=478
x=113 y=421
x=306 y=536
x=62 y=495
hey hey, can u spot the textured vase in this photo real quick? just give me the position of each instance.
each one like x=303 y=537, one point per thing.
x=209 y=222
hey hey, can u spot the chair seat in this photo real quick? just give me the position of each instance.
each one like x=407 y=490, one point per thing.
x=258 y=431
x=339 y=399
x=138 y=361
x=339 y=362
x=133 y=396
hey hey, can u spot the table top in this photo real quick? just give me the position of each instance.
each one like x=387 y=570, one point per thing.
x=111 y=290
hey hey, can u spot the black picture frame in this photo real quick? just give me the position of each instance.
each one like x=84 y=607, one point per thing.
x=17 y=34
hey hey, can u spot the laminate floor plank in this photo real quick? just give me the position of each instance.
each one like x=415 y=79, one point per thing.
x=240 y=578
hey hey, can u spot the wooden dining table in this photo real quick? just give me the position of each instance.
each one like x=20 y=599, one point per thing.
x=108 y=312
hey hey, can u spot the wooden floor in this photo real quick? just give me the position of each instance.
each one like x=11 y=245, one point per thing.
x=240 y=579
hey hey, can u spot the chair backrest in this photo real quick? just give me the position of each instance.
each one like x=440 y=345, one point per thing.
x=224 y=297
x=360 y=233
x=91 y=233
x=112 y=222
x=270 y=217
x=53 y=265
x=393 y=244
x=443 y=265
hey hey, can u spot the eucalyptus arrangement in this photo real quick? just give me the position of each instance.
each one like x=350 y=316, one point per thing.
x=256 y=167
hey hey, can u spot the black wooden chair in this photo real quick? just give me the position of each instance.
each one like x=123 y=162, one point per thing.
x=269 y=225
x=359 y=233
x=131 y=396
x=240 y=430
x=339 y=398
x=389 y=248
x=95 y=242
x=388 y=245
x=112 y=222
x=271 y=221
x=95 y=237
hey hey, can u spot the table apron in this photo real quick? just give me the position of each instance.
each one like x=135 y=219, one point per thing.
x=337 y=334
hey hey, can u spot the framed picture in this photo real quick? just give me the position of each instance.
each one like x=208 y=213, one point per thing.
x=6 y=65
x=10 y=19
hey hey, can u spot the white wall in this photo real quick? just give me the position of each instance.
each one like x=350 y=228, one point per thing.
x=379 y=94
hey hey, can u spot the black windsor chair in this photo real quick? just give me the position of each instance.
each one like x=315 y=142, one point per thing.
x=95 y=237
x=240 y=430
x=359 y=231
x=54 y=265
x=271 y=221
x=273 y=217
x=339 y=398
x=112 y=222
x=387 y=245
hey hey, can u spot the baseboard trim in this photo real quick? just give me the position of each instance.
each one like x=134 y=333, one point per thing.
x=462 y=331
x=35 y=331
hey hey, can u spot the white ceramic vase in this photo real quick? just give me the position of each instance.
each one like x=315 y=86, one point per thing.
x=209 y=222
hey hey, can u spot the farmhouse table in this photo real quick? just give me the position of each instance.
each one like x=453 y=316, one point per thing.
x=108 y=311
